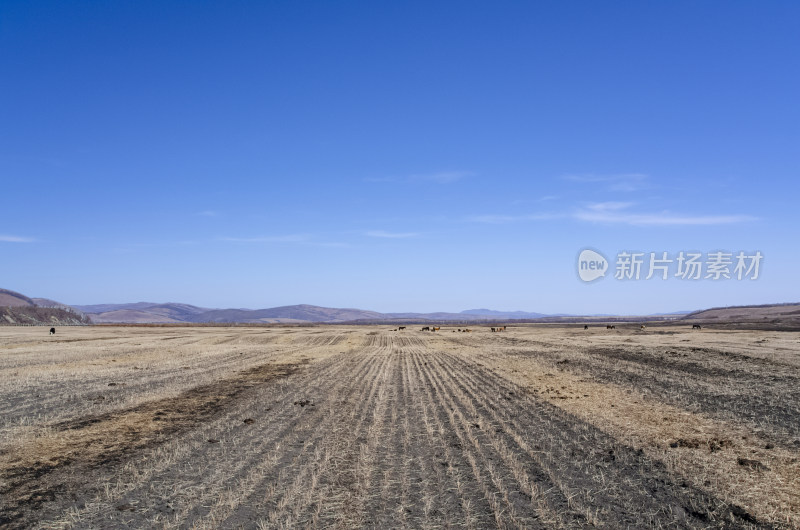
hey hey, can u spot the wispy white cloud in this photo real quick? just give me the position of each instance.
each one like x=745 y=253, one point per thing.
x=380 y=179
x=329 y=244
x=544 y=198
x=626 y=182
x=440 y=177
x=296 y=239
x=616 y=213
x=443 y=177
x=15 y=239
x=208 y=213
x=609 y=206
x=289 y=238
x=504 y=219
x=613 y=212
x=390 y=235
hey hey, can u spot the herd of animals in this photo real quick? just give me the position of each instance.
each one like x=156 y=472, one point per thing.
x=465 y=330
x=503 y=328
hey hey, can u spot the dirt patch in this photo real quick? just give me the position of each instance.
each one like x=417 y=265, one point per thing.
x=38 y=471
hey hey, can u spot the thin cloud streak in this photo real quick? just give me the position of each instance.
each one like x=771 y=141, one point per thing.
x=663 y=219
x=441 y=177
x=624 y=182
x=613 y=213
x=16 y=239
x=617 y=213
x=295 y=239
x=504 y=219
x=290 y=238
x=391 y=235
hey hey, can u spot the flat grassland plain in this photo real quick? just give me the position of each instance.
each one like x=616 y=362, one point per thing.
x=343 y=426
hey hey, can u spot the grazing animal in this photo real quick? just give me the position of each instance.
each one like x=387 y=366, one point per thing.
x=611 y=327
x=492 y=329
x=401 y=328
x=585 y=326
x=52 y=331
x=697 y=326
x=642 y=327
x=426 y=328
x=437 y=329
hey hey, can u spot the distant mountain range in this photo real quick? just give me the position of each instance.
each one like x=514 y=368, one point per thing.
x=146 y=312
x=16 y=308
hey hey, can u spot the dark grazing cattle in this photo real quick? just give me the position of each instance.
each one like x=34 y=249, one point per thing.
x=697 y=326
x=401 y=328
x=426 y=328
x=493 y=330
x=52 y=331
x=585 y=326
x=611 y=327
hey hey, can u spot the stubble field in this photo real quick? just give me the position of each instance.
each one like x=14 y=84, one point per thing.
x=343 y=426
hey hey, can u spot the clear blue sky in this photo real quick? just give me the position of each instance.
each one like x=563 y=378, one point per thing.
x=395 y=156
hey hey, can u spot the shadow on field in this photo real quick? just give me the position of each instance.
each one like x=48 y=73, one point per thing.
x=45 y=468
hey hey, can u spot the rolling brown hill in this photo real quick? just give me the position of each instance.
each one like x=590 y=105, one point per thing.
x=292 y=313
x=18 y=309
x=780 y=316
x=14 y=299
x=141 y=312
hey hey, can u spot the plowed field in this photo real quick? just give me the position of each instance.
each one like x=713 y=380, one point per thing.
x=350 y=427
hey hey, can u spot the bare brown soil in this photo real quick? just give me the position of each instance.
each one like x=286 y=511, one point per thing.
x=368 y=427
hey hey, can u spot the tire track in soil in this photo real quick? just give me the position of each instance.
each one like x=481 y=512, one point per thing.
x=642 y=487
x=329 y=430
x=389 y=448
x=444 y=501
x=344 y=480
x=279 y=448
x=229 y=477
x=222 y=478
x=476 y=508
x=519 y=504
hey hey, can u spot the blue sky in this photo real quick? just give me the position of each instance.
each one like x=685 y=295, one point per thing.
x=395 y=156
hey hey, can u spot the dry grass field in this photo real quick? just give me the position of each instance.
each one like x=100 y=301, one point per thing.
x=337 y=426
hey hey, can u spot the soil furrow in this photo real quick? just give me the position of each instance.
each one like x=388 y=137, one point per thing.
x=615 y=477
